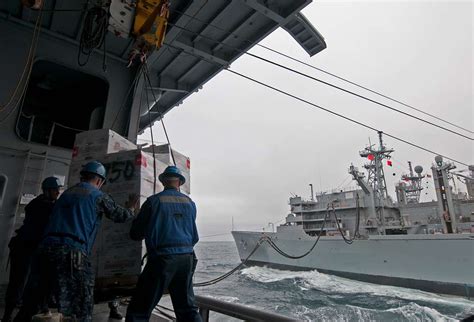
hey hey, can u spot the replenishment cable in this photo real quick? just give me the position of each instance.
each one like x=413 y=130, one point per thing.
x=268 y=239
x=284 y=254
x=224 y=276
x=227 y=32
x=328 y=84
x=324 y=109
x=343 y=116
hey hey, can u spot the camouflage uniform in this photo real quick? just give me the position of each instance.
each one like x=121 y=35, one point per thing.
x=66 y=273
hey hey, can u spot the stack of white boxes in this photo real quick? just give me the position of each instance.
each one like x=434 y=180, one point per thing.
x=130 y=171
x=165 y=154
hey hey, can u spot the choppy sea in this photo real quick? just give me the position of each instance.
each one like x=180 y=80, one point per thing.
x=313 y=296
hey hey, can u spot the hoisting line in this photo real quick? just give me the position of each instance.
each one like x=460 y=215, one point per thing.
x=147 y=78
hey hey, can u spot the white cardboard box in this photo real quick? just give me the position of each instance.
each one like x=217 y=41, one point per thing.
x=163 y=153
x=117 y=259
x=90 y=144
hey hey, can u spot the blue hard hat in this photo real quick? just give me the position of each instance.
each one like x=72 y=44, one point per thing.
x=172 y=171
x=96 y=168
x=51 y=183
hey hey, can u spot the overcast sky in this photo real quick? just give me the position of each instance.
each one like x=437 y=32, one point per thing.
x=251 y=148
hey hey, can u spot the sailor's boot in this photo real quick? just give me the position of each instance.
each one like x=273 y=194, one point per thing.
x=114 y=312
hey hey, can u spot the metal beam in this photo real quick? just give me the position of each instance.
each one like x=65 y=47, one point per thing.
x=171 y=85
x=209 y=24
x=190 y=48
x=169 y=64
x=264 y=10
x=167 y=89
x=242 y=24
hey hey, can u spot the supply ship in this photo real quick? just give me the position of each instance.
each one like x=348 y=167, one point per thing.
x=363 y=234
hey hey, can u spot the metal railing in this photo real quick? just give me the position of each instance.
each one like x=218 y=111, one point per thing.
x=239 y=311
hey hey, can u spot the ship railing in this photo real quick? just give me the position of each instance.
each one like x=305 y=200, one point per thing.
x=207 y=304
x=343 y=189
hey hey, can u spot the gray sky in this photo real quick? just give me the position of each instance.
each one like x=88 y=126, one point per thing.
x=250 y=148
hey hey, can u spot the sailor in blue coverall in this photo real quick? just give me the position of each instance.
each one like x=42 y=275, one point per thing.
x=167 y=222
x=69 y=238
x=23 y=246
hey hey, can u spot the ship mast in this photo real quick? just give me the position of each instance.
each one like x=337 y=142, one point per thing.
x=376 y=176
x=410 y=194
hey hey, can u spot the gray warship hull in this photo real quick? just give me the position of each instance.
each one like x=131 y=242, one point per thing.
x=434 y=263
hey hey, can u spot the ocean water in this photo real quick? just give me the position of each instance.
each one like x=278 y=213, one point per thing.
x=313 y=296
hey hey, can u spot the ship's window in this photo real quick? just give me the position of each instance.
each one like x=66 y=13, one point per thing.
x=59 y=103
x=3 y=188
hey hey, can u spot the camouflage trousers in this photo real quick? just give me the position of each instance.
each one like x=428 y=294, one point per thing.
x=67 y=274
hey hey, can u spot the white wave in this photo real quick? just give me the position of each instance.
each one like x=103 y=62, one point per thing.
x=230 y=299
x=415 y=312
x=334 y=284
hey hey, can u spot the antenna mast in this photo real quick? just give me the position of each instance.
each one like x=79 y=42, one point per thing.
x=376 y=176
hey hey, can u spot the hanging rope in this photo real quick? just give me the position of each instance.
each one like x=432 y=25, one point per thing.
x=330 y=209
x=222 y=277
x=22 y=85
x=145 y=74
x=348 y=241
x=284 y=254
x=93 y=34
x=148 y=80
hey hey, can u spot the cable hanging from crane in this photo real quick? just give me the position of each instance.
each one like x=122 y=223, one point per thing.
x=327 y=72
x=147 y=79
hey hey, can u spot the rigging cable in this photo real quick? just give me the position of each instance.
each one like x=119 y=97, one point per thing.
x=342 y=116
x=147 y=78
x=324 y=109
x=326 y=72
x=328 y=84
x=93 y=34
x=348 y=241
x=284 y=254
x=133 y=85
x=224 y=276
x=145 y=73
x=25 y=75
x=269 y=240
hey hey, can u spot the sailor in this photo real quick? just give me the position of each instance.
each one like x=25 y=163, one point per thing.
x=167 y=222
x=23 y=246
x=69 y=238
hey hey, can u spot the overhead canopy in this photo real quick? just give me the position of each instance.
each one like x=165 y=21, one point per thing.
x=199 y=32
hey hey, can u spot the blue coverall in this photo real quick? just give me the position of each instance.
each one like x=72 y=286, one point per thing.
x=167 y=222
